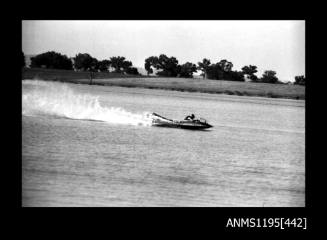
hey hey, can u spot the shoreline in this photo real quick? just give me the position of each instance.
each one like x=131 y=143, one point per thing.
x=192 y=85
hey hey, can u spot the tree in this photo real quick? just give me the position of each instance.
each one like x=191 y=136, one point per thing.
x=51 y=60
x=300 y=80
x=150 y=62
x=23 y=60
x=84 y=61
x=103 y=65
x=225 y=65
x=132 y=70
x=223 y=71
x=269 y=76
x=94 y=65
x=214 y=71
x=147 y=66
x=250 y=71
x=169 y=66
x=203 y=66
x=224 y=68
x=120 y=64
x=235 y=76
x=187 y=70
x=127 y=65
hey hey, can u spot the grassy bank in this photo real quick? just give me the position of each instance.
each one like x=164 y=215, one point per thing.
x=177 y=84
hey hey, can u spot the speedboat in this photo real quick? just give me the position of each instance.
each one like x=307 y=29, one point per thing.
x=196 y=124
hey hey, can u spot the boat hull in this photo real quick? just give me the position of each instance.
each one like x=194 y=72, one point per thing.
x=160 y=121
x=184 y=125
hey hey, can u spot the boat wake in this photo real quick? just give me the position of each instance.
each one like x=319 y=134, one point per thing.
x=59 y=99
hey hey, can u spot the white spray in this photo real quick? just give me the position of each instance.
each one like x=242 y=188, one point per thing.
x=59 y=99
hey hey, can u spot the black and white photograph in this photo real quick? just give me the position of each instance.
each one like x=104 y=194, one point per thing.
x=163 y=113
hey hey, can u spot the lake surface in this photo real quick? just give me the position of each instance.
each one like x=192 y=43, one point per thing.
x=94 y=146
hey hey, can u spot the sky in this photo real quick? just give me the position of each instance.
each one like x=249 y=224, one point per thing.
x=269 y=45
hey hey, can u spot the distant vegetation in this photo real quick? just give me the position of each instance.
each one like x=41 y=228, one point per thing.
x=250 y=71
x=269 y=77
x=222 y=71
x=121 y=65
x=81 y=62
x=187 y=69
x=84 y=62
x=168 y=66
x=51 y=60
x=23 y=60
x=166 y=83
x=165 y=67
x=299 y=80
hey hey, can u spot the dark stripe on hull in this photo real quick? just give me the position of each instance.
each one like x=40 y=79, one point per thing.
x=191 y=127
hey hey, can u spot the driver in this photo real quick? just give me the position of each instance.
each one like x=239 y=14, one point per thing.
x=190 y=117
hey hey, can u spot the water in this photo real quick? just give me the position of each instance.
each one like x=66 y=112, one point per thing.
x=94 y=146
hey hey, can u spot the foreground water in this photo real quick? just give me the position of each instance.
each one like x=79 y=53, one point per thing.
x=94 y=146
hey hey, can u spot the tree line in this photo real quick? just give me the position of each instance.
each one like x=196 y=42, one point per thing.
x=165 y=66
x=222 y=70
x=81 y=62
